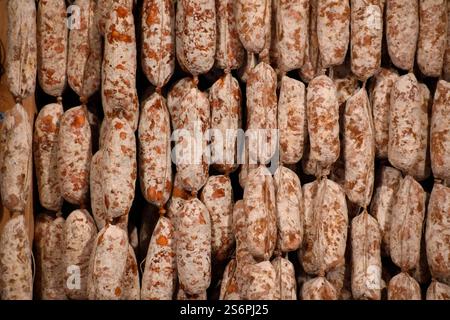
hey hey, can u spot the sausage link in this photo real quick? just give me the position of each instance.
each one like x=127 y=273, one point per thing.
x=403 y=287
x=228 y=287
x=285 y=283
x=52 y=46
x=438 y=291
x=130 y=278
x=96 y=191
x=318 y=289
x=311 y=64
x=158 y=40
x=263 y=285
x=176 y=95
x=446 y=69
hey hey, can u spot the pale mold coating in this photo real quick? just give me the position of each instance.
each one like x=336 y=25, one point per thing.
x=52 y=34
x=230 y=53
x=155 y=163
x=333 y=31
x=262 y=282
x=107 y=264
x=175 y=96
x=405 y=150
x=253 y=23
x=21 y=50
x=228 y=286
x=292 y=19
x=285 y=283
x=84 y=60
x=322 y=111
x=387 y=184
x=96 y=191
x=160 y=271
x=380 y=98
x=311 y=64
x=130 y=278
x=325 y=227
x=366 y=37
x=366 y=258
x=217 y=196
x=158 y=40
x=359 y=149
x=45 y=147
x=432 y=36
x=440 y=131
x=406 y=227
x=119 y=96
x=402 y=31
x=225 y=101
x=119 y=169
x=191 y=162
x=290 y=209
x=262 y=112
x=16 y=277
x=193 y=247
x=198 y=35
x=437 y=234
x=79 y=234
x=318 y=289
x=74 y=155
x=260 y=211
x=15 y=158
x=438 y=291
x=403 y=287
x=291 y=120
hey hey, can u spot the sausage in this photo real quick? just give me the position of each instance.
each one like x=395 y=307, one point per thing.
x=446 y=69
x=366 y=37
x=52 y=46
x=155 y=165
x=440 y=132
x=432 y=36
x=359 y=149
x=285 y=281
x=239 y=223
x=437 y=233
x=366 y=258
x=406 y=149
x=318 y=289
x=262 y=113
x=158 y=40
x=176 y=95
x=193 y=247
x=423 y=167
x=79 y=234
x=217 y=196
x=325 y=228
x=21 y=50
x=49 y=246
x=108 y=264
x=228 y=286
x=380 y=99
x=130 y=277
x=292 y=19
x=311 y=60
x=333 y=31
x=290 y=209
x=191 y=162
x=245 y=261
x=15 y=158
x=119 y=169
x=96 y=192
x=387 y=184
x=309 y=166
x=406 y=227
x=160 y=273
x=74 y=155
x=229 y=50
x=253 y=23
x=260 y=211
x=323 y=122
x=198 y=38
x=45 y=148
x=438 y=291
x=262 y=282
x=119 y=97
x=84 y=60
x=402 y=31
x=403 y=287
x=291 y=120
x=16 y=278
x=225 y=101
x=179 y=30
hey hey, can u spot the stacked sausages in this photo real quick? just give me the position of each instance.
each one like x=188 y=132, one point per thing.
x=246 y=100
